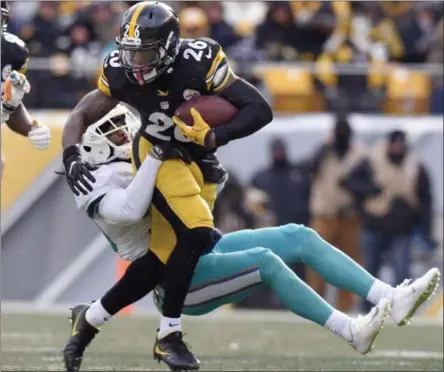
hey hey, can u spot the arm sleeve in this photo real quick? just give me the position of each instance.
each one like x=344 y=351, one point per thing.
x=127 y=206
x=254 y=111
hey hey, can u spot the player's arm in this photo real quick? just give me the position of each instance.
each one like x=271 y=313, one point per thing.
x=130 y=205
x=90 y=109
x=254 y=112
x=14 y=112
x=20 y=120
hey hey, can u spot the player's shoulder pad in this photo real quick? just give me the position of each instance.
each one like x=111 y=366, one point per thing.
x=210 y=61
x=16 y=47
x=103 y=184
x=112 y=76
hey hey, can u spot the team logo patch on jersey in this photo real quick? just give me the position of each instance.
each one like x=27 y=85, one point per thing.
x=6 y=71
x=190 y=93
x=164 y=105
x=162 y=93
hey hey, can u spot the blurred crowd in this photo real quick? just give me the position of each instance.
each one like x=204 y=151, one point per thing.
x=373 y=202
x=77 y=35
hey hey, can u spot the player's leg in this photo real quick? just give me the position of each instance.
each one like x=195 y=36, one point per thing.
x=224 y=278
x=182 y=230
x=141 y=276
x=297 y=243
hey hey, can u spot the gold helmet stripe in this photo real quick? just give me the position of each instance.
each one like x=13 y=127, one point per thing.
x=133 y=22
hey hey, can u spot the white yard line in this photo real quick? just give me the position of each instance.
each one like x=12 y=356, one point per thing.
x=409 y=354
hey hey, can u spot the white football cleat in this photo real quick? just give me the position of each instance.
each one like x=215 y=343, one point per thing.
x=407 y=298
x=364 y=329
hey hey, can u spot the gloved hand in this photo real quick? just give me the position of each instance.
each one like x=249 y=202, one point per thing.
x=200 y=133
x=14 y=89
x=166 y=151
x=212 y=170
x=39 y=136
x=78 y=172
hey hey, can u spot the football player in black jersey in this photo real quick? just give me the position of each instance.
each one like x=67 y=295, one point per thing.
x=14 y=57
x=154 y=71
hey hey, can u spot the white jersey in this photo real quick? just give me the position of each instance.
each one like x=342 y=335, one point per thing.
x=130 y=238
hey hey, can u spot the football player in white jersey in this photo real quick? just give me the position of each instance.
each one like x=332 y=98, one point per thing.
x=118 y=204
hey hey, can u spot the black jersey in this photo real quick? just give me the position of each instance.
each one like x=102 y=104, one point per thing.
x=200 y=68
x=14 y=55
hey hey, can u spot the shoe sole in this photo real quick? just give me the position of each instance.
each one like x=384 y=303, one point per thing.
x=385 y=314
x=425 y=295
x=176 y=369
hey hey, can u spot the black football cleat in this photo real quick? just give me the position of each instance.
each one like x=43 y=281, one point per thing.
x=174 y=352
x=82 y=333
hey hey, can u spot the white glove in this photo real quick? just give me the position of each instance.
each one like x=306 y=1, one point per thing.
x=14 y=89
x=40 y=137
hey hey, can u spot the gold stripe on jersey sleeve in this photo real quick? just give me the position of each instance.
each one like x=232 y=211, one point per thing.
x=229 y=77
x=103 y=85
x=216 y=62
x=133 y=22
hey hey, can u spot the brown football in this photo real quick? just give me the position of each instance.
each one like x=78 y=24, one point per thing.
x=215 y=110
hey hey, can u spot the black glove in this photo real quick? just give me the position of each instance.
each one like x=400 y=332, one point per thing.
x=212 y=170
x=167 y=151
x=78 y=172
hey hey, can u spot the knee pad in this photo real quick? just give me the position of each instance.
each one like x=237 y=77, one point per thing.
x=293 y=229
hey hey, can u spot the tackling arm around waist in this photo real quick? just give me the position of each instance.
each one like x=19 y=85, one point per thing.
x=129 y=205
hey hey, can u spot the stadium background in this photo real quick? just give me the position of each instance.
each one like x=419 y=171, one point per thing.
x=379 y=61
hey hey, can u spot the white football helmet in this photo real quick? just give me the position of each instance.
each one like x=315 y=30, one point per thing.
x=96 y=148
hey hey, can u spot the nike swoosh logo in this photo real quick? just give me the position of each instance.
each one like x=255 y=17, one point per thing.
x=160 y=352
x=74 y=327
x=173 y=325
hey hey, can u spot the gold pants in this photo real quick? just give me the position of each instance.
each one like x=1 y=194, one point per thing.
x=181 y=200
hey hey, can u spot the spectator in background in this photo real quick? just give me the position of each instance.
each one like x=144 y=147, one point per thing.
x=317 y=21
x=417 y=33
x=43 y=35
x=287 y=185
x=394 y=190
x=83 y=50
x=333 y=209
x=436 y=55
x=248 y=13
x=193 y=23
x=278 y=34
x=230 y=210
x=220 y=30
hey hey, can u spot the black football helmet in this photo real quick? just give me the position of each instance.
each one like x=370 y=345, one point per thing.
x=5 y=15
x=149 y=41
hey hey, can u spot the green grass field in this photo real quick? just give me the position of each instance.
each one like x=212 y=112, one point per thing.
x=245 y=341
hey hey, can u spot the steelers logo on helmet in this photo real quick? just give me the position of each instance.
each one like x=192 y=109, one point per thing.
x=110 y=138
x=148 y=41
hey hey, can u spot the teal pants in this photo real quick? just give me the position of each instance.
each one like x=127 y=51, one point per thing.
x=245 y=259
